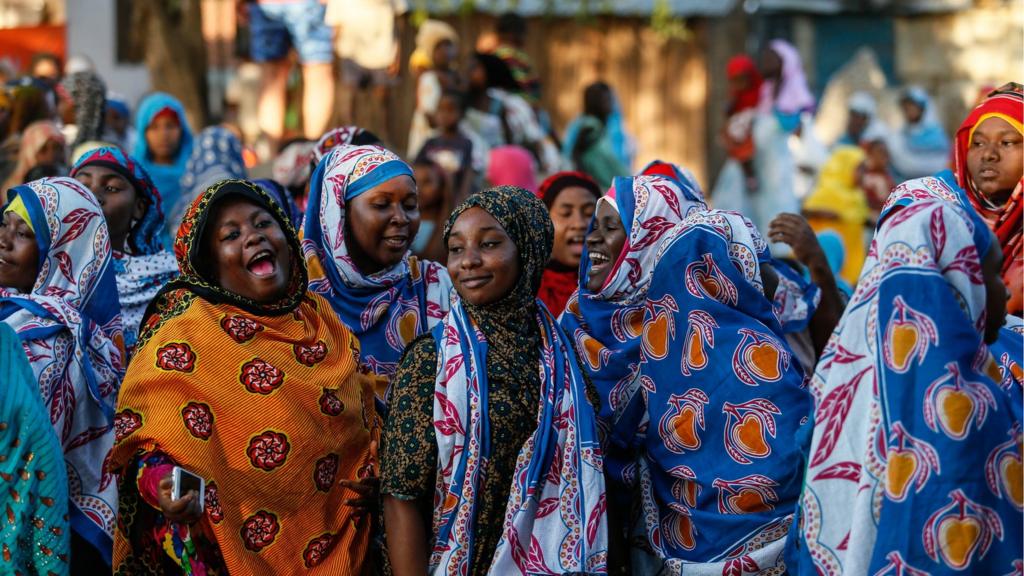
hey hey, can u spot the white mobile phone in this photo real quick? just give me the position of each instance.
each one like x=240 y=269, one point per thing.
x=185 y=481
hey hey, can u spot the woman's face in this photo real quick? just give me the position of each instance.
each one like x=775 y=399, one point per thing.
x=52 y=152
x=428 y=181
x=739 y=83
x=19 y=254
x=248 y=250
x=483 y=262
x=66 y=110
x=995 y=159
x=382 y=223
x=444 y=54
x=996 y=293
x=771 y=64
x=571 y=213
x=912 y=112
x=116 y=122
x=116 y=195
x=163 y=136
x=604 y=243
x=477 y=74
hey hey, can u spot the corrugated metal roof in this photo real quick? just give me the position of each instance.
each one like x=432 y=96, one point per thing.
x=578 y=7
x=837 y=6
x=708 y=8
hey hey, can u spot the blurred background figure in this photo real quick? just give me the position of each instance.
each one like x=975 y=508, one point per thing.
x=861 y=120
x=433 y=63
x=276 y=27
x=41 y=144
x=590 y=140
x=366 y=41
x=921 y=146
x=118 y=127
x=738 y=132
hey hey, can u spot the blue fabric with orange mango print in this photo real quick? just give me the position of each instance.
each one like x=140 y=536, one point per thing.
x=720 y=472
x=605 y=325
x=915 y=458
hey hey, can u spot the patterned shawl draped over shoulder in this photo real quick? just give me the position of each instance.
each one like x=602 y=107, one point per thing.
x=555 y=519
x=289 y=418
x=915 y=455
x=35 y=538
x=606 y=325
x=724 y=399
x=385 y=310
x=71 y=331
x=146 y=265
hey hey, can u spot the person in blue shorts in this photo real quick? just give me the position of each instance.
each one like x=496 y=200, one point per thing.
x=276 y=26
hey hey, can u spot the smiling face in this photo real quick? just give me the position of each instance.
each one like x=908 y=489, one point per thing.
x=19 y=254
x=995 y=159
x=604 y=243
x=121 y=205
x=248 y=251
x=382 y=223
x=996 y=293
x=483 y=262
x=571 y=213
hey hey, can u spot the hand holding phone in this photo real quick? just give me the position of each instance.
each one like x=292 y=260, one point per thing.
x=181 y=496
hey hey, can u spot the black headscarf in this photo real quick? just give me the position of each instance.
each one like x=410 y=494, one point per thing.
x=190 y=250
x=510 y=324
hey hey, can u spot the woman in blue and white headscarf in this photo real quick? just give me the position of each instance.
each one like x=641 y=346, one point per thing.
x=217 y=156
x=921 y=147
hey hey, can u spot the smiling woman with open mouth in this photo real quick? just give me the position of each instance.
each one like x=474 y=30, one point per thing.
x=570 y=198
x=245 y=378
x=363 y=213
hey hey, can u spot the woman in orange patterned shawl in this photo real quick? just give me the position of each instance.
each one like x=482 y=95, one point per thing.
x=247 y=379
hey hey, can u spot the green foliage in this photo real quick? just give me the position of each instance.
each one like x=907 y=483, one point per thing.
x=666 y=24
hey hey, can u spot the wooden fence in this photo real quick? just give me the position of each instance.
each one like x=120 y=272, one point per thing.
x=661 y=83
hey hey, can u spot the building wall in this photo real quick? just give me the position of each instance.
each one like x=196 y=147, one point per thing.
x=92 y=32
x=956 y=55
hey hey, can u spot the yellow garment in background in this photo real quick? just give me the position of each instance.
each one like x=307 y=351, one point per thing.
x=837 y=193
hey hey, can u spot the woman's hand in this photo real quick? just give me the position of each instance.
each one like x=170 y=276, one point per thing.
x=797 y=233
x=368 y=486
x=369 y=491
x=184 y=510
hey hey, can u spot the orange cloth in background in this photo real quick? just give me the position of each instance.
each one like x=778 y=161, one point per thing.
x=272 y=412
x=19 y=45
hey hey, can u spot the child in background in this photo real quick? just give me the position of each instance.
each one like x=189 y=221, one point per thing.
x=435 y=204
x=738 y=134
x=452 y=149
x=838 y=204
x=432 y=60
x=592 y=153
x=875 y=177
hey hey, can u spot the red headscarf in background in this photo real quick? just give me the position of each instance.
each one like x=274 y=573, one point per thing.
x=1006 y=221
x=560 y=281
x=743 y=65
